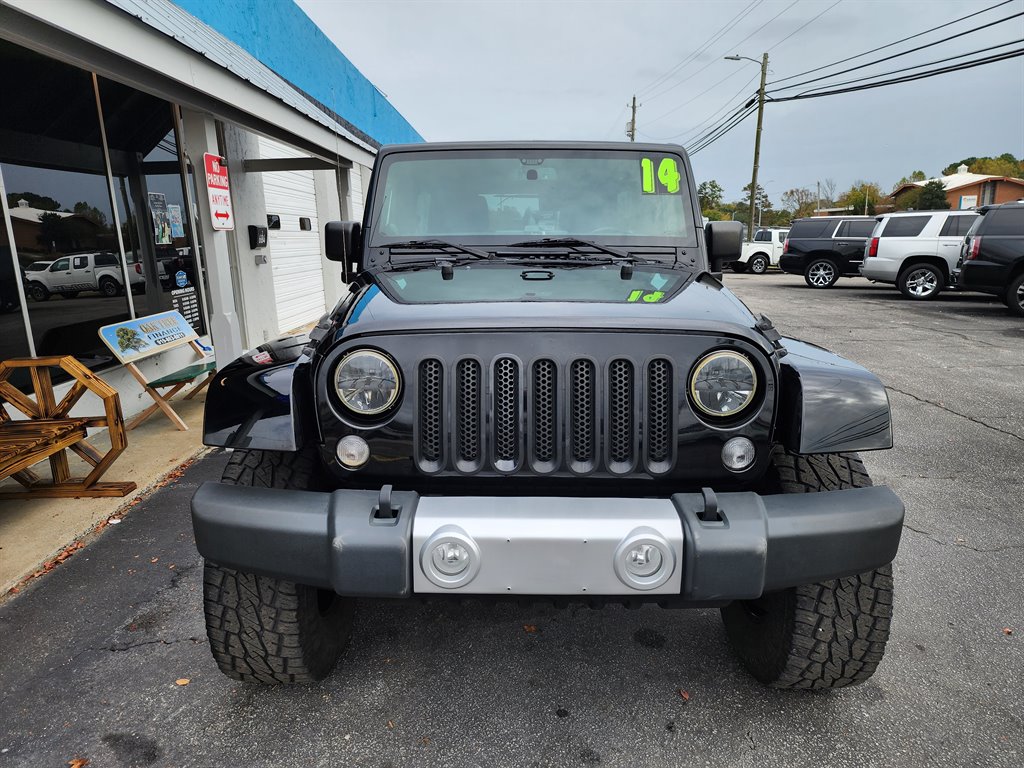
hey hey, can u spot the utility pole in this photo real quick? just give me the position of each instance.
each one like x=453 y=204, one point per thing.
x=631 y=125
x=757 y=136
x=757 y=143
x=818 y=209
x=865 y=199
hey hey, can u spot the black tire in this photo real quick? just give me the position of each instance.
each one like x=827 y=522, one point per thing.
x=109 y=287
x=921 y=281
x=1014 y=297
x=269 y=630
x=821 y=273
x=827 y=635
x=758 y=263
x=38 y=292
x=738 y=266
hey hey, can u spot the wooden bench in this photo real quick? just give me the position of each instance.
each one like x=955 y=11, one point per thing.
x=49 y=432
x=144 y=337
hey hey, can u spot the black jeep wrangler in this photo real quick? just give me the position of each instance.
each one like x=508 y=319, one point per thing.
x=537 y=388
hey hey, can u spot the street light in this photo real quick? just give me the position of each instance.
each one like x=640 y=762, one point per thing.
x=757 y=136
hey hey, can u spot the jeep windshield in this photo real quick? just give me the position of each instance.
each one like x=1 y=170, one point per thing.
x=508 y=200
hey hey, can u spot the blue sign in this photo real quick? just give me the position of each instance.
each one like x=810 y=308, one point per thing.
x=180 y=278
x=135 y=339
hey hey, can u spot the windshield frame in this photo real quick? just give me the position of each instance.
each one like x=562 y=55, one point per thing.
x=661 y=248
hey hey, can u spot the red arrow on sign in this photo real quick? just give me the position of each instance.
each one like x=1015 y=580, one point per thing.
x=222 y=215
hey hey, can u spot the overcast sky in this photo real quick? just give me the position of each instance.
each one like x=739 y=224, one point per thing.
x=488 y=69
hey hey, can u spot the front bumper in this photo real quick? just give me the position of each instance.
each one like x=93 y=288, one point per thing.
x=710 y=548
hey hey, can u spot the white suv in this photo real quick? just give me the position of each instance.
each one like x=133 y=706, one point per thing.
x=916 y=251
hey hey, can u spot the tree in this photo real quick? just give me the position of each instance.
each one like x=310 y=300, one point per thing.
x=42 y=202
x=932 y=197
x=854 y=197
x=710 y=194
x=800 y=201
x=1005 y=164
x=761 y=200
x=828 y=193
x=909 y=200
x=914 y=176
x=90 y=212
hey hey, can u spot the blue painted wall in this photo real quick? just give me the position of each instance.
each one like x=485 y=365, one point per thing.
x=282 y=37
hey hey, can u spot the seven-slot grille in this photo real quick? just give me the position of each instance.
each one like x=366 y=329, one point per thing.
x=511 y=416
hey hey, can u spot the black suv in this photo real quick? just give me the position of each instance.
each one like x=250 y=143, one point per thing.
x=825 y=248
x=536 y=389
x=992 y=256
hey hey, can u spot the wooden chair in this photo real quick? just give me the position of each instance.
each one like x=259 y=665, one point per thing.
x=48 y=431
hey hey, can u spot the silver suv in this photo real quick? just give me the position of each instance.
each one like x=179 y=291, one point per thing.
x=917 y=251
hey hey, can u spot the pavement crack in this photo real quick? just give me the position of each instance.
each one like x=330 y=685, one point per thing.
x=940 y=406
x=121 y=648
x=962 y=544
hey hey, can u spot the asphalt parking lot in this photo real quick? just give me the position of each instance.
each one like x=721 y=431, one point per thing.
x=91 y=653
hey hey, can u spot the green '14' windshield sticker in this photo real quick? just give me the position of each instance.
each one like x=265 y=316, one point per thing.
x=660 y=176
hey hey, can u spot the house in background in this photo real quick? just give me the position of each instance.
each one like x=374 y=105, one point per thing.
x=969 y=190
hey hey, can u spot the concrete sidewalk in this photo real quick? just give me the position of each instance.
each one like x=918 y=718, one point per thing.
x=32 y=531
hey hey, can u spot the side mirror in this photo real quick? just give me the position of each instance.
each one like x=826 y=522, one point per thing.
x=724 y=241
x=342 y=241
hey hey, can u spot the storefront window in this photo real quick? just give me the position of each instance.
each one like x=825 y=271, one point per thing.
x=78 y=270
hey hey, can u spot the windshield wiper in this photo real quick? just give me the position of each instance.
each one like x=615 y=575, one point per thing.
x=574 y=243
x=439 y=245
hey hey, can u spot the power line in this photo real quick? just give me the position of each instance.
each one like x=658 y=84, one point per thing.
x=693 y=99
x=907 y=78
x=918 y=66
x=712 y=139
x=711 y=41
x=902 y=53
x=710 y=118
x=896 y=42
x=806 y=23
x=735 y=46
x=723 y=127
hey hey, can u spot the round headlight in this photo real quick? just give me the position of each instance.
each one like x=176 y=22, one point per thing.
x=723 y=383
x=367 y=382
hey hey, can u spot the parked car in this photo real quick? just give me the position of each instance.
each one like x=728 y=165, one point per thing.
x=916 y=251
x=495 y=413
x=992 y=256
x=825 y=248
x=764 y=251
x=37 y=266
x=70 y=275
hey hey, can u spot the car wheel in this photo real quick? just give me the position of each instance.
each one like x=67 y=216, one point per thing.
x=921 y=282
x=109 y=287
x=738 y=266
x=758 y=264
x=38 y=292
x=1015 y=296
x=268 y=630
x=827 y=635
x=821 y=273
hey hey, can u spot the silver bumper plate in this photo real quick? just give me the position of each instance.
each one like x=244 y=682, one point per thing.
x=547 y=546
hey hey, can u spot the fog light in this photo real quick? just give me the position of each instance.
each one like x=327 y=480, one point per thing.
x=353 y=451
x=738 y=454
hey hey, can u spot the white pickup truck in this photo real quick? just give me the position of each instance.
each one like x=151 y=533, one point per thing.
x=763 y=252
x=77 y=272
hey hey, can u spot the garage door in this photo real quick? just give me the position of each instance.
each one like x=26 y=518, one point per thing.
x=294 y=251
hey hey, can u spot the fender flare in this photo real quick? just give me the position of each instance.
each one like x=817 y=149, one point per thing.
x=829 y=404
x=262 y=399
